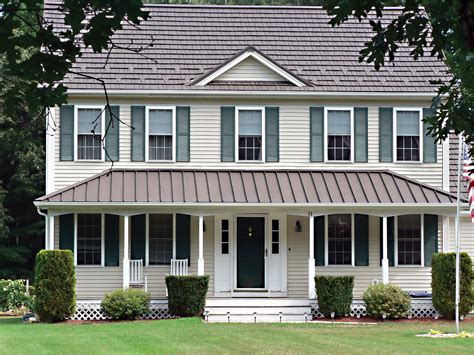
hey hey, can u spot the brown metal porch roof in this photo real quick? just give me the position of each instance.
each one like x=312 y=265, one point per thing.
x=169 y=186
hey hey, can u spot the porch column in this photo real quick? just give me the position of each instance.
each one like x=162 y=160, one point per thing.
x=126 y=260
x=385 y=278
x=311 y=261
x=50 y=244
x=201 y=247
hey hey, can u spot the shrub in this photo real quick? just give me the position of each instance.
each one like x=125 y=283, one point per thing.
x=443 y=284
x=13 y=296
x=127 y=304
x=386 y=299
x=334 y=294
x=187 y=295
x=55 y=285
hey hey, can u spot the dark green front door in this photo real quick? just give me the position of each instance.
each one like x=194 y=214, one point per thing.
x=250 y=252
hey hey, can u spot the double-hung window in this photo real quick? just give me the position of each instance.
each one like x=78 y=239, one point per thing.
x=161 y=129
x=89 y=133
x=160 y=239
x=89 y=239
x=250 y=137
x=339 y=135
x=339 y=239
x=408 y=139
x=409 y=240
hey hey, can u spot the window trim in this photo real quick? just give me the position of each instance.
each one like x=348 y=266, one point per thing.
x=147 y=133
x=237 y=118
x=76 y=132
x=394 y=138
x=147 y=240
x=326 y=241
x=325 y=133
x=422 y=243
x=102 y=240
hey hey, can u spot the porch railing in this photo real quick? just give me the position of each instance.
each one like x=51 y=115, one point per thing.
x=179 y=267
x=136 y=272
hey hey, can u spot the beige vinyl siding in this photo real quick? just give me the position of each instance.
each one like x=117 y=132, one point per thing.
x=297 y=258
x=250 y=69
x=466 y=236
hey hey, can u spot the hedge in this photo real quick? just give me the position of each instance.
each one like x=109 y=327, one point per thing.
x=386 y=299
x=334 y=294
x=443 y=284
x=55 y=285
x=127 y=304
x=187 y=295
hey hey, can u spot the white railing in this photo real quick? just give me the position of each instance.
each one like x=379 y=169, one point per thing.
x=136 y=272
x=179 y=267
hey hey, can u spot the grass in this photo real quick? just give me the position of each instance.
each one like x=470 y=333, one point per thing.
x=194 y=336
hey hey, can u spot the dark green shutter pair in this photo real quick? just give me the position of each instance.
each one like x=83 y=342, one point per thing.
x=66 y=133
x=360 y=134
x=272 y=134
x=361 y=241
x=386 y=142
x=183 y=133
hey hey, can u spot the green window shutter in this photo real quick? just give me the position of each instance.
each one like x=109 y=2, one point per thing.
x=386 y=134
x=112 y=139
x=66 y=232
x=361 y=144
x=429 y=144
x=183 y=237
x=112 y=237
x=430 y=236
x=138 y=133
x=390 y=240
x=361 y=240
x=138 y=237
x=319 y=238
x=272 y=134
x=227 y=133
x=183 y=133
x=66 y=133
x=316 y=115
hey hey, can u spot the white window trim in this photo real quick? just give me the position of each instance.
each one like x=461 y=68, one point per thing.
x=422 y=243
x=147 y=240
x=338 y=108
x=249 y=108
x=326 y=241
x=394 y=138
x=147 y=133
x=102 y=241
x=76 y=132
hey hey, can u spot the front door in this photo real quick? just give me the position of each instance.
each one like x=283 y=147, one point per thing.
x=250 y=252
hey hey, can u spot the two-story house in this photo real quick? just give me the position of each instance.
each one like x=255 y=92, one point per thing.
x=254 y=148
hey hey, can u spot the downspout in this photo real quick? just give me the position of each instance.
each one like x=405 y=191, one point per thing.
x=46 y=227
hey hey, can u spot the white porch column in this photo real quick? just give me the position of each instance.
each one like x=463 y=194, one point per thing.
x=385 y=277
x=201 y=247
x=50 y=244
x=126 y=260
x=46 y=232
x=311 y=261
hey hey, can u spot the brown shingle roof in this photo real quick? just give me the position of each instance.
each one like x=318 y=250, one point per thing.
x=250 y=187
x=190 y=41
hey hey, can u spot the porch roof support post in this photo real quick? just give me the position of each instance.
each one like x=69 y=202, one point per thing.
x=126 y=260
x=50 y=244
x=201 y=246
x=46 y=232
x=385 y=276
x=311 y=261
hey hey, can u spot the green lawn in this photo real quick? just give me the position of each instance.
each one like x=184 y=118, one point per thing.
x=194 y=336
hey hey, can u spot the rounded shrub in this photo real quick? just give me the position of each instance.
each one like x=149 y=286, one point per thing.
x=443 y=284
x=386 y=299
x=14 y=296
x=334 y=294
x=127 y=304
x=55 y=285
x=187 y=295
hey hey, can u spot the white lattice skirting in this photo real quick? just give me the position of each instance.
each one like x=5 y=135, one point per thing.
x=419 y=309
x=90 y=310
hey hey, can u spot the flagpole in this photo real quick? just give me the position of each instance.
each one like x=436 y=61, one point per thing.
x=458 y=225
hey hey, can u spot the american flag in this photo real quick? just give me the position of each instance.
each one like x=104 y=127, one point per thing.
x=468 y=174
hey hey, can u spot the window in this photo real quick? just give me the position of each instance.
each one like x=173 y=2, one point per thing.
x=160 y=239
x=89 y=133
x=225 y=236
x=409 y=240
x=160 y=134
x=275 y=236
x=89 y=239
x=339 y=140
x=250 y=135
x=339 y=239
x=408 y=138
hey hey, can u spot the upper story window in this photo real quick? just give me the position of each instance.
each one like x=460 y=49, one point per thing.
x=90 y=122
x=339 y=239
x=161 y=134
x=89 y=239
x=409 y=240
x=339 y=140
x=160 y=239
x=250 y=135
x=408 y=138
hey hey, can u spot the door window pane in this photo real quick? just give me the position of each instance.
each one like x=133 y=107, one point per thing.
x=225 y=236
x=275 y=236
